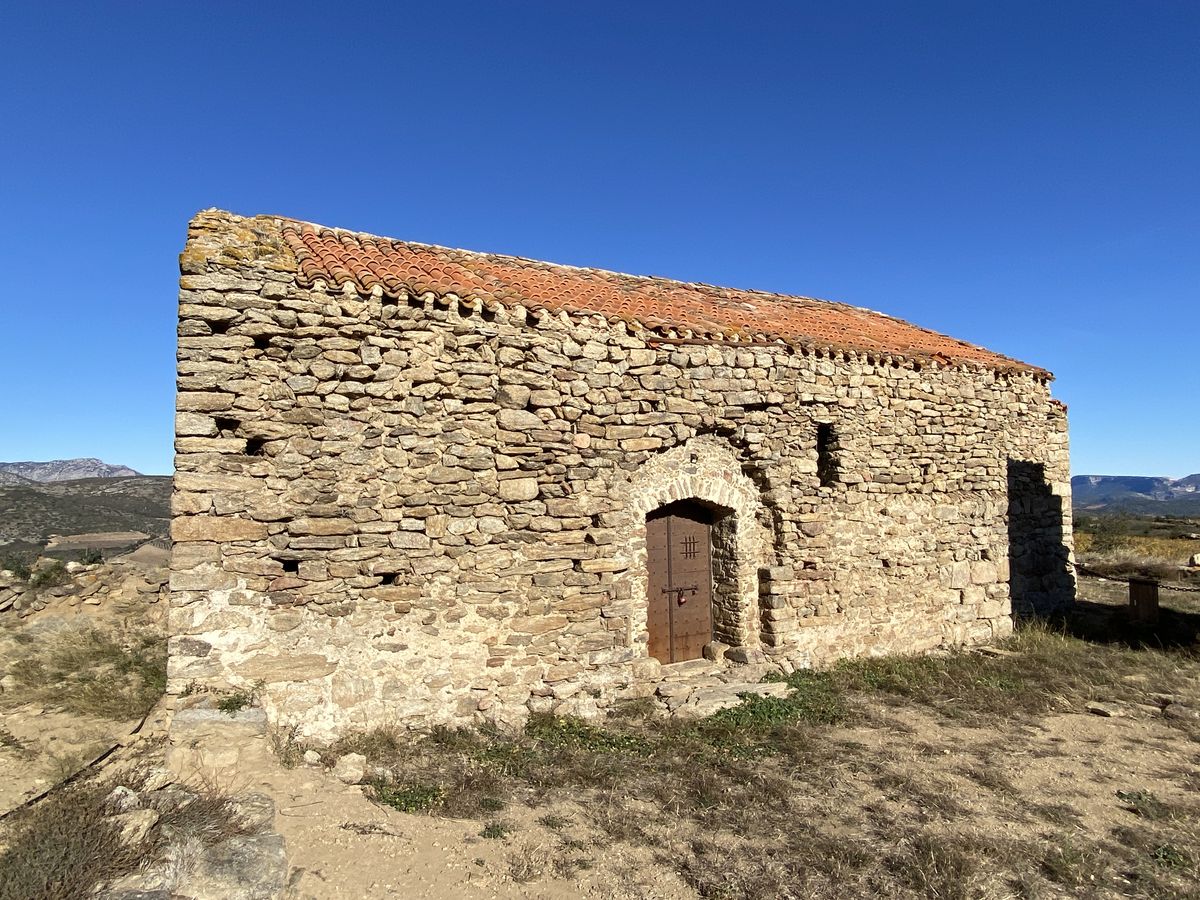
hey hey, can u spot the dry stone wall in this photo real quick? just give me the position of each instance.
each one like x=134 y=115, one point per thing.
x=409 y=513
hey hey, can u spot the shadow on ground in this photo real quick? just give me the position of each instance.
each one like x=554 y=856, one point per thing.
x=1104 y=623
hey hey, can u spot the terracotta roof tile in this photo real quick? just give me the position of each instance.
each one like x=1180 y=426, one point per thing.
x=670 y=308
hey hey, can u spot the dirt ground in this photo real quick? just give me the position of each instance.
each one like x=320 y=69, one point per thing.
x=905 y=796
x=1030 y=783
x=1060 y=792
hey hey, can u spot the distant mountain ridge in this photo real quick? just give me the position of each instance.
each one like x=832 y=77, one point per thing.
x=16 y=473
x=73 y=496
x=1137 y=493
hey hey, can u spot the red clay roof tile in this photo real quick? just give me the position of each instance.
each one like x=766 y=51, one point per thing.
x=664 y=306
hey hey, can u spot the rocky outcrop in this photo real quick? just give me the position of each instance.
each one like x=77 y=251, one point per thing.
x=80 y=585
x=250 y=863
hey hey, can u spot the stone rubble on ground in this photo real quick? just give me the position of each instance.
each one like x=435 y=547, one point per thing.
x=1168 y=706
x=351 y=768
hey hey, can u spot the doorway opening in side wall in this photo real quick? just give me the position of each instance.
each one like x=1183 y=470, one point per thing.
x=691 y=583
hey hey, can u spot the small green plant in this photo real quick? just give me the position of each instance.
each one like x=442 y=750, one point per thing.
x=553 y=822
x=235 y=702
x=409 y=798
x=1169 y=857
x=10 y=741
x=496 y=830
x=91 y=556
x=491 y=804
x=286 y=746
x=1144 y=804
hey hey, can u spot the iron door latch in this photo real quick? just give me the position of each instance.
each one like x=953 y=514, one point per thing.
x=679 y=592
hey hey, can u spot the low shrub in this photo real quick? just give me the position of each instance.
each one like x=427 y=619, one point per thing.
x=51 y=575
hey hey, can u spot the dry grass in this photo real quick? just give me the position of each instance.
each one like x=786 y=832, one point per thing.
x=64 y=848
x=12 y=743
x=1114 y=548
x=1123 y=563
x=1170 y=551
x=766 y=799
x=108 y=673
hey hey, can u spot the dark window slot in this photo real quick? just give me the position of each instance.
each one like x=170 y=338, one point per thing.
x=827 y=464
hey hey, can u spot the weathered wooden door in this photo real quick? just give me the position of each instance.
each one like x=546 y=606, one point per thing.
x=679 y=559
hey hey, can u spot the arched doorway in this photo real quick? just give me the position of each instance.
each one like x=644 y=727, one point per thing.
x=679 y=562
x=703 y=475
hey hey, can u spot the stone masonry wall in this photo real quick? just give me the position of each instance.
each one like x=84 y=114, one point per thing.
x=415 y=513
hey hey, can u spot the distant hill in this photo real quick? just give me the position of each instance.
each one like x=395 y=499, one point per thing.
x=64 y=470
x=1142 y=494
x=66 y=497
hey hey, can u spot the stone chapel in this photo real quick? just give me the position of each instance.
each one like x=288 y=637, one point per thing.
x=417 y=485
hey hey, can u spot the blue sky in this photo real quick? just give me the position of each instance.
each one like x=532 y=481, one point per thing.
x=1022 y=175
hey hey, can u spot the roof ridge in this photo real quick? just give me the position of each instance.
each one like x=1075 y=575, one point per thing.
x=668 y=306
x=487 y=254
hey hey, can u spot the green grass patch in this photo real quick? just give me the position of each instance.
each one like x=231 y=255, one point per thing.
x=235 y=702
x=1144 y=804
x=409 y=798
x=496 y=830
x=558 y=733
x=1170 y=857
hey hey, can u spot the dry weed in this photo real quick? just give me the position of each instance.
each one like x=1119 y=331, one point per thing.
x=65 y=848
x=109 y=673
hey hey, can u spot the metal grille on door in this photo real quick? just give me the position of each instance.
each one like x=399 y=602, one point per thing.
x=679 y=559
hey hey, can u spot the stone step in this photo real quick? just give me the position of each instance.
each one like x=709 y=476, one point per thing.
x=691 y=668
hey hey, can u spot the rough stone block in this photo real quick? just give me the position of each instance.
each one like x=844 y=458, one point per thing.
x=216 y=528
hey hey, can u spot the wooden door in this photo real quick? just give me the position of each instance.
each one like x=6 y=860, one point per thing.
x=679 y=559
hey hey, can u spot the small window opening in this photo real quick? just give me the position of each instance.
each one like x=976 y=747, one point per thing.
x=254 y=446
x=827 y=465
x=219 y=327
x=262 y=341
x=229 y=425
x=291 y=566
x=388 y=578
